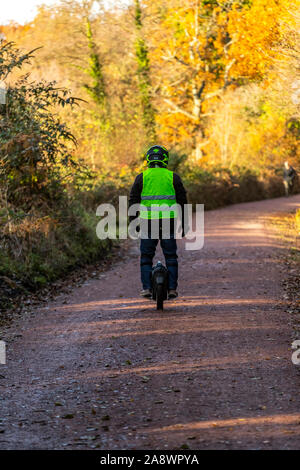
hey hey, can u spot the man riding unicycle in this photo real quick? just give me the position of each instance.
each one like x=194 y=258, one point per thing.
x=158 y=191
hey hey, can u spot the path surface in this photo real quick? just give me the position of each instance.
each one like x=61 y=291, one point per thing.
x=100 y=368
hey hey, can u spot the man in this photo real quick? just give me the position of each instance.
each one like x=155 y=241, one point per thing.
x=156 y=187
x=289 y=175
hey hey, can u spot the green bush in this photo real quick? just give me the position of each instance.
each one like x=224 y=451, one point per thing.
x=48 y=226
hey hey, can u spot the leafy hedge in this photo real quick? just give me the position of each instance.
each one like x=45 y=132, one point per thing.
x=222 y=186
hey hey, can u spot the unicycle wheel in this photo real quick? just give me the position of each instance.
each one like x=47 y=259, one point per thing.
x=160 y=297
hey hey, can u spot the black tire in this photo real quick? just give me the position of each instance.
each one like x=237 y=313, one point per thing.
x=160 y=297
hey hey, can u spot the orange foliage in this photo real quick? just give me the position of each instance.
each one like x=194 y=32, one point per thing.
x=255 y=31
x=199 y=49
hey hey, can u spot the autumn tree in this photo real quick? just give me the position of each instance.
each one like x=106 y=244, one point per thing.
x=144 y=75
x=256 y=125
x=198 y=73
x=35 y=150
x=97 y=89
x=200 y=49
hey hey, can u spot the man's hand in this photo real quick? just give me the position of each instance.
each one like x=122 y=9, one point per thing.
x=185 y=230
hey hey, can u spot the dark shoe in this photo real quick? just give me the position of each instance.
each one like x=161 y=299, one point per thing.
x=172 y=294
x=146 y=293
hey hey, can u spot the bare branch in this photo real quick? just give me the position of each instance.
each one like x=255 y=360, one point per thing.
x=182 y=62
x=227 y=83
x=203 y=144
x=213 y=94
x=177 y=82
x=227 y=69
x=180 y=110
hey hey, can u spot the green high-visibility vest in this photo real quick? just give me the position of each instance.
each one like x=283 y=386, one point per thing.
x=158 y=194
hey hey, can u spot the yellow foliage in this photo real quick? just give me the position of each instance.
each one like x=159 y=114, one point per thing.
x=254 y=32
x=297 y=221
x=199 y=50
x=210 y=64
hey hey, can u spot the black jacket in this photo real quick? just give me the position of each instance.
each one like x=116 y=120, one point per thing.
x=137 y=188
x=289 y=173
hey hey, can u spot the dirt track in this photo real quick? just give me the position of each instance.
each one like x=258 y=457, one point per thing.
x=100 y=368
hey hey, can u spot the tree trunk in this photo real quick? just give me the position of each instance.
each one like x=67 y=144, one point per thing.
x=199 y=138
x=197 y=112
x=144 y=76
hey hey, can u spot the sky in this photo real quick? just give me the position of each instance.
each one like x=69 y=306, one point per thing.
x=22 y=11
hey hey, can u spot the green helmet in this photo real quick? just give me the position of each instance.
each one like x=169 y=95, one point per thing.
x=158 y=154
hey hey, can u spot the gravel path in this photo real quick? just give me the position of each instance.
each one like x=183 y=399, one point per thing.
x=101 y=368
